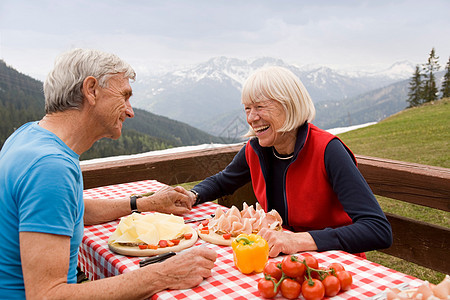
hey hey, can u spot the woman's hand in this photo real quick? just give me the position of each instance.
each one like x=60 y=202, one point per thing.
x=287 y=242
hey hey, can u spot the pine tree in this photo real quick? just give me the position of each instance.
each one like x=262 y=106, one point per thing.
x=445 y=89
x=415 y=95
x=430 y=90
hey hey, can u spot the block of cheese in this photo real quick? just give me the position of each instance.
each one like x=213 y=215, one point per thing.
x=148 y=229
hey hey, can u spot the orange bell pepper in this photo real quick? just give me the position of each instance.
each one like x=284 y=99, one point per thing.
x=250 y=253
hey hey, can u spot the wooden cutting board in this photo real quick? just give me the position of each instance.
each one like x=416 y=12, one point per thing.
x=214 y=238
x=135 y=251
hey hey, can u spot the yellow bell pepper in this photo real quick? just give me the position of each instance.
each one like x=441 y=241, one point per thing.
x=250 y=253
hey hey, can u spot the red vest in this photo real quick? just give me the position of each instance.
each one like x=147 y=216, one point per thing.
x=310 y=199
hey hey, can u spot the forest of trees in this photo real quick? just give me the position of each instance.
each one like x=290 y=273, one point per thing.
x=423 y=86
x=22 y=101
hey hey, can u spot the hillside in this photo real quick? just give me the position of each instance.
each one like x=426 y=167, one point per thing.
x=418 y=135
x=372 y=106
x=22 y=100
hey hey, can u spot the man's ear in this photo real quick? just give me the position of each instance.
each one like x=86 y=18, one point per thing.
x=89 y=89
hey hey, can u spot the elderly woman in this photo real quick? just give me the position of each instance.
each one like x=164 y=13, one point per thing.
x=305 y=173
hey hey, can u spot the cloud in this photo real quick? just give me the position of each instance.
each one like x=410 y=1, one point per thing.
x=151 y=33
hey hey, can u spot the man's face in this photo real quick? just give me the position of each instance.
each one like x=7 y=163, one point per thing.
x=114 y=105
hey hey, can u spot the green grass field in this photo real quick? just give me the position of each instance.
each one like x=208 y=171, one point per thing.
x=418 y=135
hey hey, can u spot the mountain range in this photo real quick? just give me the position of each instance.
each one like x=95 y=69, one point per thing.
x=207 y=95
x=201 y=103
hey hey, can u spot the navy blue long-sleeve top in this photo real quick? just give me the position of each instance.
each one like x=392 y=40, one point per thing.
x=370 y=229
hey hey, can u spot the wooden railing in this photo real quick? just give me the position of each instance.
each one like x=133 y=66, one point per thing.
x=415 y=241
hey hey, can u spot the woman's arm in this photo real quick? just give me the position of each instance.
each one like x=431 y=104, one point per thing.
x=235 y=175
x=370 y=229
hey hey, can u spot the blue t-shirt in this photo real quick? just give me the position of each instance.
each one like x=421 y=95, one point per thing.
x=41 y=190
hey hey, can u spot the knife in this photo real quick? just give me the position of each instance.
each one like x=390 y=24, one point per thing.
x=156 y=259
x=196 y=219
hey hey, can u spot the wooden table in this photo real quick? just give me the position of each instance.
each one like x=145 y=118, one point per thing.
x=226 y=282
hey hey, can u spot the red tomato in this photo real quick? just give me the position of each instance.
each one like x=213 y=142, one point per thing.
x=266 y=288
x=313 y=290
x=290 y=288
x=311 y=261
x=142 y=246
x=205 y=222
x=332 y=285
x=346 y=280
x=300 y=279
x=163 y=243
x=205 y=230
x=226 y=236
x=293 y=267
x=187 y=236
x=336 y=267
x=271 y=268
x=175 y=242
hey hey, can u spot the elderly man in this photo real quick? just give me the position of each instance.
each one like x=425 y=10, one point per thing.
x=87 y=97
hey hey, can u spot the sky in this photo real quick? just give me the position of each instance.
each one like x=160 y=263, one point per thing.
x=156 y=35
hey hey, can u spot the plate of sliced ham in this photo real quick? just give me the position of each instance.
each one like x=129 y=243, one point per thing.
x=225 y=226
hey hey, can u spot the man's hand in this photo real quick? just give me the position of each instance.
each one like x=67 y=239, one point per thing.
x=187 y=269
x=169 y=200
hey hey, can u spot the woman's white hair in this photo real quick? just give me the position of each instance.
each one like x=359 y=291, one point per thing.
x=62 y=87
x=280 y=84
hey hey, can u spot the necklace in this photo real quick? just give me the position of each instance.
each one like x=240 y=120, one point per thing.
x=281 y=157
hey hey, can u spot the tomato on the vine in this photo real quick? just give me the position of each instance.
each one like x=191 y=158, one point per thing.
x=313 y=289
x=301 y=274
x=337 y=267
x=311 y=261
x=346 y=280
x=332 y=285
x=292 y=266
x=266 y=287
x=271 y=268
x=290 y=288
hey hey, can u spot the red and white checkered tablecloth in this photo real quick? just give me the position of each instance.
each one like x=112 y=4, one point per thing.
x=226 y=282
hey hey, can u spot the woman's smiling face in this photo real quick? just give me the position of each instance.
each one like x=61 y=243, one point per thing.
x=266 y=117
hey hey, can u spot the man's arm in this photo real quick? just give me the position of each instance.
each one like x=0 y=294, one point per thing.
x=170 y=200
x=45 y=261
